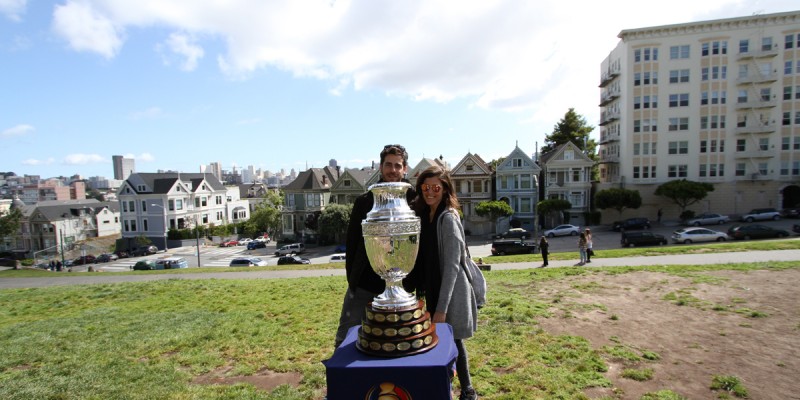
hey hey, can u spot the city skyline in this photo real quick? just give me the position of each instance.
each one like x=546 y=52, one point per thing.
x=291 y=85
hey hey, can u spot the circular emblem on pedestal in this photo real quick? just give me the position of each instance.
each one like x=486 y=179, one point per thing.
x=387 y=391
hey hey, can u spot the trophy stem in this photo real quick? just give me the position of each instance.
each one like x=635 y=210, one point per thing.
x=393 y=297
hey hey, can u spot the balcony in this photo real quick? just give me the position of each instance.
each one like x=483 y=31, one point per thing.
x=773 y=52
x=608 y=159
x=757 y=78
x=607 y=77
x=755 y=128
x=608 y=117
x=608 y=97
x=609 y=138
x=756 y=104
x=755 y=154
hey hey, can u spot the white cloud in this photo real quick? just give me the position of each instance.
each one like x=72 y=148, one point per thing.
x=13 y=9
x=35 y=162
x=148 y=113
x=536 y=57
x=182 y=46
x=85 y=29
x=84 y=159
x=145 y=157
x=18 y=130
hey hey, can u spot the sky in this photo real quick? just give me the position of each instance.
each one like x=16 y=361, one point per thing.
x=176 y=84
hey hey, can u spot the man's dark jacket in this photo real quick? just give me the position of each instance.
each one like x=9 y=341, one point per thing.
x=359 y=271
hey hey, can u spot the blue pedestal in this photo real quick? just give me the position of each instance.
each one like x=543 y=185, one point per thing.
x=352 y=374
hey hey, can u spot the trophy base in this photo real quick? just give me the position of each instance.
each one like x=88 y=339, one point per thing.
x=397 y=332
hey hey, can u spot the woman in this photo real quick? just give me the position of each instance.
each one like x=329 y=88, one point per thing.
x=545 y=249
x=582 y=248
x=440 y=277
x=588 y=245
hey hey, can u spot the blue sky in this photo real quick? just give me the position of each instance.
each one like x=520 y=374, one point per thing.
x=177 y=84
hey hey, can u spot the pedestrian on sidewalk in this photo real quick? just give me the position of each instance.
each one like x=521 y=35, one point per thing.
x=589 y=252
x=544 y=247
x=582 y=248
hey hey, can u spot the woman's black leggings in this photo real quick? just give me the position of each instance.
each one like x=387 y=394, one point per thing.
x=462 y=365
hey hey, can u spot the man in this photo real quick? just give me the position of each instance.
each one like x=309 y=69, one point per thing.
x=363 y=284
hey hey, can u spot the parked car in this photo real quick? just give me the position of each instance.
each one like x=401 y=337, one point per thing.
x=708 y=219
x=248 y=262
x=9 y=262
x=171 y=263
x=563 y=230
x=793 y=212
x=630 y=239
x=144 y=251
x=244 y=241
x=106 y=257
x=144 y=265
x=83 y=260
x=263 y=238
x=631 y=223
x=761 y=214
x=294 y=248
x=256 y=244
x=504 y=247
x=755 y=231
x=514 y=233
x=293 y=260
x=696 y=235
x=340 y=249
x=122 y=253
x=341 y=257
x=229 y=243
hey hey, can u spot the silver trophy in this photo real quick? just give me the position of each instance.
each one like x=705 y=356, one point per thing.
x=391 y=233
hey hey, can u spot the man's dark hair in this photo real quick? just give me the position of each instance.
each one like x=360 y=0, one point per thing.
x=395 y=149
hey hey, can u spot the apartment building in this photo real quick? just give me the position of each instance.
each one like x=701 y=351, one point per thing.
x=713 y=101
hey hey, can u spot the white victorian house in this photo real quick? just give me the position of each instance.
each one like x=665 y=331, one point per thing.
x=472 y=178
x=518 y=185
x=567 y=175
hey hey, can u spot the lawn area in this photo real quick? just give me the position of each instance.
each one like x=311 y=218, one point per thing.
x=229 y=339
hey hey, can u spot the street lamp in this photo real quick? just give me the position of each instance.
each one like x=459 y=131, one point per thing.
x=166 y=230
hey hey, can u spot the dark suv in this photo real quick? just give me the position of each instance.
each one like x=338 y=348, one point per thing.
x=631 y=223
x=503 y=247
x=630 y=239
x=144 y=251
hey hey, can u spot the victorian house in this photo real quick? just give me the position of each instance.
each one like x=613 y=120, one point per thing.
x=472 y=178
x=353 y=183
x=306 y=198
x=422 y=165
x=153 y=203
x=517 y=184
x=567 y=175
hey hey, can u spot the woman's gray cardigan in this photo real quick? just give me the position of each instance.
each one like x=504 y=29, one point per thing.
x=456 y=297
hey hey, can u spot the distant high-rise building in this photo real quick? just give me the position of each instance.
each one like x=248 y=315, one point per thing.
x=215 y=169
x=123 y=167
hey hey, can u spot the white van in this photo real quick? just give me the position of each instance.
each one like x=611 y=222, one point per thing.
x=294 y=248
x=171 y=263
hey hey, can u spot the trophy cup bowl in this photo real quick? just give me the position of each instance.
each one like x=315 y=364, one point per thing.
x=396 y=324
x=391 y=233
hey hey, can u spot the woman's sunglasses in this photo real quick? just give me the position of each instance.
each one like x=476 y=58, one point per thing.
x=428 y=188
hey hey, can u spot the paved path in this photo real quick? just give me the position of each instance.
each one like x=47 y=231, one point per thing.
x=679 y=259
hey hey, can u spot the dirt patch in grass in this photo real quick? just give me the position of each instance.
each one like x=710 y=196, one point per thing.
x=264 y=380
x=744 y=324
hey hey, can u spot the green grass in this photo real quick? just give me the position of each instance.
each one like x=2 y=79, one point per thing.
x=638 y=374
x=39 y=273
x=149 y=340
x=729 y=384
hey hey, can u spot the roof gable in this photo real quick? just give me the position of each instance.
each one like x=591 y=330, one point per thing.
x=357 y=178
x=524 y=163
x=560 y=154
x=312 y=179
x=471 y=164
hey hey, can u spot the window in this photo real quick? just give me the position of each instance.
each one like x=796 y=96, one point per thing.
x=741 y=145
x=636 y=149
x=787 y=118
x=517 y=162
x=787 y=92
x=171 y=205
x=218 y=200
x=740 y=169
x=678 y=124
x=766 y=94
x=681 y=147
x=179 y=204
x=762 y=168
x=766 y=44
x=204 y=201
x=679 y=100
x=788 y=42
x=144 y=225
x=144 y=206
x=650 y=78
x=742 y=98
x=635 y=172
x=715 y=48
x=786 y=143
x=197 y=202
x=525 y=181
x=763 y=144
x=677 y=171
x=744 y=46
x=679 y=52
x=205 y=218
x=124 y=206
x=637 y=78
x=679 y=76
x=576 y=175
x=787 y=67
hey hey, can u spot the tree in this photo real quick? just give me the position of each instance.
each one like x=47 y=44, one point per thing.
x=9 y=222
x=552 y=206
x=617 y=199
x=572 y=128
x=267 y=215
x=684 y=193
x=94 y=194
x=334 y=220
x=494 y=209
